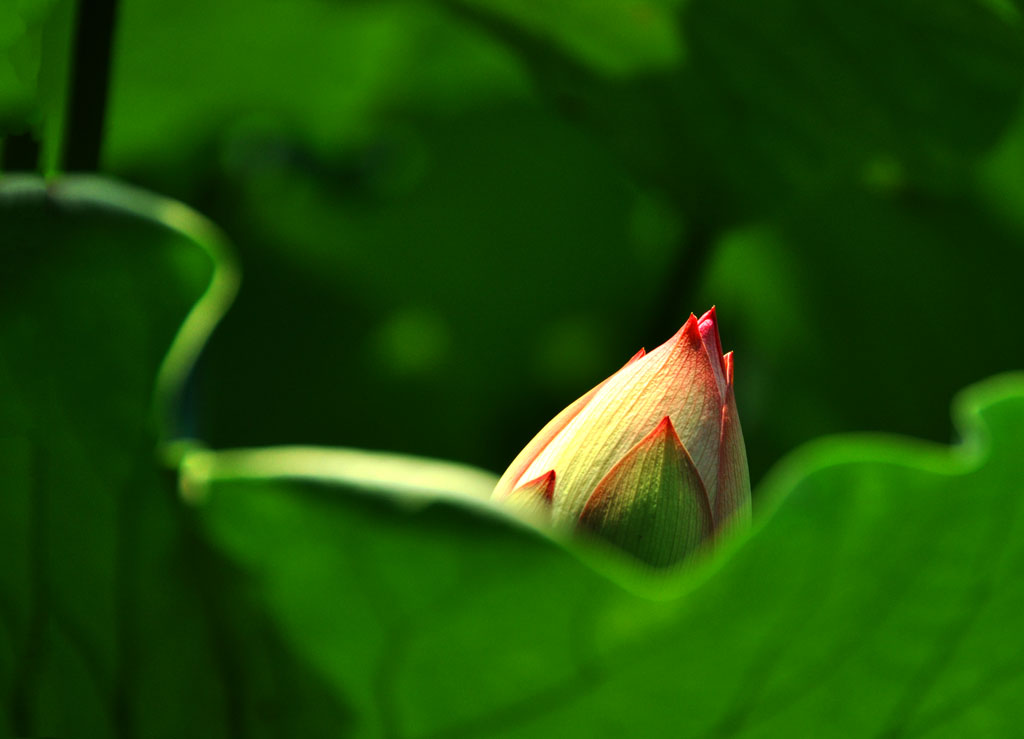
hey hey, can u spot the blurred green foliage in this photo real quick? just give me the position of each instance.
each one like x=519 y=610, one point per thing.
x=34 y=51
x=532 y=211
x=115 y=620
x=451 y=219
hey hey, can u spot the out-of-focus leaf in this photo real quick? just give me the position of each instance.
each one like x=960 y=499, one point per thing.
x=35 y=37
x=115 y=620
x=1001 y=176
x=388 y=297
x=878 y=594
x=188 y=72
x=779 y=99
x=397 y=192
x=20 y=41
x=845 y=312
x=382 y=166
x=614 y=37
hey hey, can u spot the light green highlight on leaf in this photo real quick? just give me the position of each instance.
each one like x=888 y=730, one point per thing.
x=357 y=468
x=89 y=191
x=614 y=37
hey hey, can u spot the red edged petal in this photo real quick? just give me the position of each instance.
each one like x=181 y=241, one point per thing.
x=702 y=439
x=635 y=357
x=533 y=498
x=677 y=380
x=690 y=329
x=732 y=500
x=708 y=324
x=542 y=487
x=652 y=503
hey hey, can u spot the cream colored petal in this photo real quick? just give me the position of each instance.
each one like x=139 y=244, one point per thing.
x=675 y=380
x=515 y=472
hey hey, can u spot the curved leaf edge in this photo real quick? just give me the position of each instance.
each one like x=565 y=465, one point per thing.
x=96 y=191
x=415 y=482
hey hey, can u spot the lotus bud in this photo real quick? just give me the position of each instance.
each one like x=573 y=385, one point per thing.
x=651 y=460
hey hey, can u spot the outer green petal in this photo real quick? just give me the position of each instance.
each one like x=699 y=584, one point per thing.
x=652 y=503
x=731 y=504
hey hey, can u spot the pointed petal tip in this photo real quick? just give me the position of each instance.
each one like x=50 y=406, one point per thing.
x=690 y=329
x=709 y=323
x=635 y=357
x=727 y=360
x=713 y=345
x=543 y=484
x=665 y=431
x=549 y=486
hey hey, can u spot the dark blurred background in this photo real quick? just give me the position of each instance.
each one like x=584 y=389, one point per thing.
x=453 y=218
